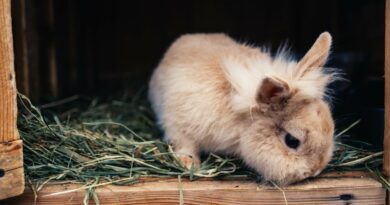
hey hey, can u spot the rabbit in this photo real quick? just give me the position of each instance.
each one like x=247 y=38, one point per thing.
x=213 y=94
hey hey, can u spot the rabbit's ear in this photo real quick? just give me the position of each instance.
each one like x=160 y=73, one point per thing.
x=273 y=90
x=316 y=57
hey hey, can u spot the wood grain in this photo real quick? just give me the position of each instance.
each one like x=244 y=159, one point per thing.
x=8 y=110
x=333 y=190
x=11 y=165
x=11 y=156
x=10 y=184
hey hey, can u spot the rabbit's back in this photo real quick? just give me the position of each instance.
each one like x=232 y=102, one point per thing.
x=189 y=88
x=189 y=70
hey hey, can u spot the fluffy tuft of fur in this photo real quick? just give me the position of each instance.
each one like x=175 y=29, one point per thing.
x=213 y=94
x=246 y=75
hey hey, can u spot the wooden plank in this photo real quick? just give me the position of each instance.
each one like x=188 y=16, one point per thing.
x=333 y=190
x=10 y=183
x=11 y=158
x=21 y=47
x=35 y=50
x=11 y=169
x=51 y=53
x=8 y=110
x=11 y=155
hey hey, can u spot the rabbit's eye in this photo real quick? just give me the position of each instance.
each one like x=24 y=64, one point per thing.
x=291 y=141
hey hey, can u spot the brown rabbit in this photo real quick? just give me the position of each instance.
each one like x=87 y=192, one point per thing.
x=213 y=94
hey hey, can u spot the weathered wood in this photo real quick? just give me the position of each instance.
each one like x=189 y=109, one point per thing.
x=334 y=190
x=11 y=169
x=11 y=185
x=11 y=156
x=8 y=111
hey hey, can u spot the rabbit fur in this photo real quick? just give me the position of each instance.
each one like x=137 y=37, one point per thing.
x=213 y=94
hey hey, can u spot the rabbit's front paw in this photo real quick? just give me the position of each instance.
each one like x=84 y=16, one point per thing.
x=188 y=161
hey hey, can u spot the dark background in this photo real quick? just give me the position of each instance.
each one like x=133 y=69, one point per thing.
x=95 y=47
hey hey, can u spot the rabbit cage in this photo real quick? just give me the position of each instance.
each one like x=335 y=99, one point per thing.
x=50 y=50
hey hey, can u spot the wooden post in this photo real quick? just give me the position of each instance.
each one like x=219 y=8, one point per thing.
x=11 y=156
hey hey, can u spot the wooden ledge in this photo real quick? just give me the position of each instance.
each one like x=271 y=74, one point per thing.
x=11 y=169
x=333 y=189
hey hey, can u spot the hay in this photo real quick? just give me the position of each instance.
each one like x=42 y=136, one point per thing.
x=117 y=142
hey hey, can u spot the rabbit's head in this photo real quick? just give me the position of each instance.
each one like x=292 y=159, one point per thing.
x=290 y=126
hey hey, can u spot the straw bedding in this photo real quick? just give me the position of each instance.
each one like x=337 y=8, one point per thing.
x=117 y=142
